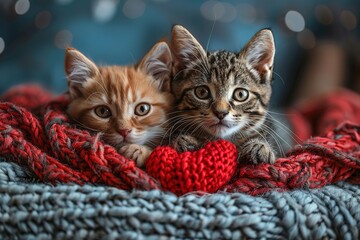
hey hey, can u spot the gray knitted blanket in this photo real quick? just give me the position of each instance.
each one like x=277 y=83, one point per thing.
x=33 y=210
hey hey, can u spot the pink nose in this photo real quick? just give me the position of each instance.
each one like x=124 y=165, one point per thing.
x=124 y=132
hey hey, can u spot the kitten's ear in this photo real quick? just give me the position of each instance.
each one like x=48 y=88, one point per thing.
x=185 y=48
x=259 y=53
x=79 y=71
x=157 y=62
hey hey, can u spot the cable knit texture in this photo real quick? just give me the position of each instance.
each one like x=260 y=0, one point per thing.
x=48 y=169
x=57 y=152
x=32 y=210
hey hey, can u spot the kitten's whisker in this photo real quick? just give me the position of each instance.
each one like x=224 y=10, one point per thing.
x=291 y=135
x=152 y=143
x=190 y=127
x=234 y=138
x=277 y=113
x=201 y=64
x=101 y=85
x=272 y=133
x=176 y=118
x=185 y=122
x=282 y=80
x=180 y=118
x=276 y=141
x=174 y=112
x=187 y=125
x=132 y=56
x=256 y=132
x=286 y=129
x=200 y=125
x=88 y=128
x=211 y=32
x=176 y=75
x=172 y=129
x=283 y=127
x=90 y=96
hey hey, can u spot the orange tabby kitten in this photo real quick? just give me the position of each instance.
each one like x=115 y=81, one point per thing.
x=127 y=104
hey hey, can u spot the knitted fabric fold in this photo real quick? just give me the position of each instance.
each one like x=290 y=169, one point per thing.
x=33 y=210
x=36 y=133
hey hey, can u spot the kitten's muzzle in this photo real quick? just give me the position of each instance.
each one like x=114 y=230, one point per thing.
x=124 y=132
x=220 y=123
x=221 y=114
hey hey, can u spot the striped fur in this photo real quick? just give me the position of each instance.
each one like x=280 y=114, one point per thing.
x=239 y=90
x=121 y=89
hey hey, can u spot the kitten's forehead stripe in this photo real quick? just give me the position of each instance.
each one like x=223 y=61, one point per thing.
x=104 y=98
x=222 y=65
x=121 y=88
x=230 y=74
x=260 y=98
x=254 y=75
x=113 y=98
x=225 y=71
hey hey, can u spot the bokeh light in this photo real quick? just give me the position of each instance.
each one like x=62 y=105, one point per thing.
x=212 y=10
x=43 y=19
x=246 y=12
x=348 y=19
x=22 y=6
x=306 y=39
x=104 y=10
x=294 y=21
x=64 y=2
x=230 y=12
x=32 y=28
x=134 y=8
x=324 y=14
x=2 y=45
x=63 y=39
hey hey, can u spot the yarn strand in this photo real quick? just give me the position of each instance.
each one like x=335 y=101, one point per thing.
x=36 y=133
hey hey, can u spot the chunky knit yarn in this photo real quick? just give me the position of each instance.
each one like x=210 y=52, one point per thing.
x=33 y=210
x=56 y=151
x=48 y=169
x=207 y=169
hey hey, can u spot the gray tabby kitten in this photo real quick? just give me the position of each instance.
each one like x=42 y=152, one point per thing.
x=222 y=94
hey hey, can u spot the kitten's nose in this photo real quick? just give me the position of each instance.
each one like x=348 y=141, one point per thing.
x=221 y=114
x=124 y=132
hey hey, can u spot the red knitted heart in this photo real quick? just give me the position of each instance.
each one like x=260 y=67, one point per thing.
x=205 y=170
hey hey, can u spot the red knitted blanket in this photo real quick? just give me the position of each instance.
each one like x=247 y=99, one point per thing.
x=36 y=133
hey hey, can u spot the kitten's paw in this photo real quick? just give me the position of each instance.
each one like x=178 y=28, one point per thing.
x=136 y=152
x=183 y=143
x=257 y=152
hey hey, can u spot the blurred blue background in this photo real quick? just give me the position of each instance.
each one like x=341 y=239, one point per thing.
x=33 y=34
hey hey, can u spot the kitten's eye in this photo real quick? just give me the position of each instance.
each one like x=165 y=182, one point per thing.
x=142 y=109
x=103 y=111
x=241 y=95
x=202 y=92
